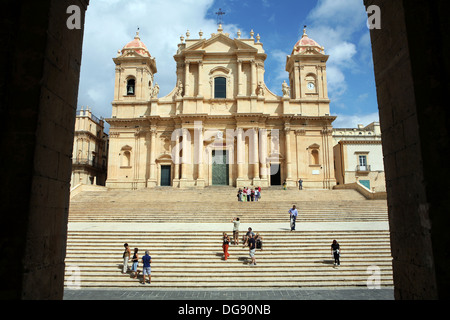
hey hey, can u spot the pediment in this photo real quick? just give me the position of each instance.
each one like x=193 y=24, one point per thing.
x=220 y=43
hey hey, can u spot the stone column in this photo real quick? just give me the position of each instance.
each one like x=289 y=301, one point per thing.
x=255 y=149
x=199 y=142
x=152 y=180
x=186 y=79
x=297 y=82
x=263 y=153
x=253 y=88
x=240 y=157
x=289 y=181
x=176 y=161
x=184 y=144
x=199 y=79
x=239 y=77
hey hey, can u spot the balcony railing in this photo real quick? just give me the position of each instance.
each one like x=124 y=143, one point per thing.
x=90 y=163
x=365 y=168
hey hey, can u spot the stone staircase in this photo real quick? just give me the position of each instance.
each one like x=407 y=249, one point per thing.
x=193 y=259
x=219 y=205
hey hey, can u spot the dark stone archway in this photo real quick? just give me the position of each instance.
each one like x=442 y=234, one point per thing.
x=38 y=97
x=39 y=80
x=411 y=61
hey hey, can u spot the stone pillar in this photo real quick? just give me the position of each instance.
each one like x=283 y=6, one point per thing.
x=263 y=153
x=289 y=181
x=152 y=180
x=41 y=61
x=297 y=82
x=199 y=142
x=185 y=145
x=412 y=89
x=240 y=156
x=253 y=85
x=176 y=162
x=255 y=160
x=186 y=80
x=239 y=77
x=199 y=79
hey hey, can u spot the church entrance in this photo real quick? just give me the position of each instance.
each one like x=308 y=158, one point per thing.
x=220 y=168
x=165 y=176
x=275 y=174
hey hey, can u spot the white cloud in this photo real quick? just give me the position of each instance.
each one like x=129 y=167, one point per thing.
x=111 y=24
x=334 y=24
x=349 y=14
x=337 y=85
x=352 y=121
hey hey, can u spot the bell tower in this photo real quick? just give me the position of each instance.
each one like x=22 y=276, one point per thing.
x=307 y=72
x=134 y=82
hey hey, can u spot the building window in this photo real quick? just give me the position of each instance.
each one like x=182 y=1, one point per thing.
x=220 y=88
x=131 y=87
x=362 y=162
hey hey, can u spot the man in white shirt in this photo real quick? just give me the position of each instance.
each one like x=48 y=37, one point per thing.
x=293 y=213
x=236 y=223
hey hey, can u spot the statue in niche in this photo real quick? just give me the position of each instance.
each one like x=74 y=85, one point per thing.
x=286 y=90
x=155 y=91
x=179 y=92
x=260 y=90
x=166 y=144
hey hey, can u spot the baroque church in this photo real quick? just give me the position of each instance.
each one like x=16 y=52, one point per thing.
x=220 y=125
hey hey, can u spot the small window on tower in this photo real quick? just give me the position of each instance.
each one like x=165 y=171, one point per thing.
x=220 y=88
x=130 y=87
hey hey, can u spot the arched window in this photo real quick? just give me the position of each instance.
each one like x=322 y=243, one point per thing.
x=131 y=87
x=220 y=88
x=125 y=155
x=126 y=159
x=315 y=157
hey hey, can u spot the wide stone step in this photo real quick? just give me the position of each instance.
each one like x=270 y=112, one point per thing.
x=194 y=259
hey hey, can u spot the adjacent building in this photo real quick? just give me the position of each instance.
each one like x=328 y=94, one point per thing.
x=90 y=150
x=358 y=156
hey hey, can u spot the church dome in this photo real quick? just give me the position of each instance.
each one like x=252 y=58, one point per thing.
x=307 y=45
x=137 y=45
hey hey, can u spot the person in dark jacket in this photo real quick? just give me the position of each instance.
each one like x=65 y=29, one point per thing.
x=336 y=252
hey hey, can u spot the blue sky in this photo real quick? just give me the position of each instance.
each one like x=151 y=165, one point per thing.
x=338 y=25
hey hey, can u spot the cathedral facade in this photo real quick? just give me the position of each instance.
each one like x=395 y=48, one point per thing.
x=221 y=125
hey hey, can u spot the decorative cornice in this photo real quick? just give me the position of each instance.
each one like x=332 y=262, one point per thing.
x=360 y=141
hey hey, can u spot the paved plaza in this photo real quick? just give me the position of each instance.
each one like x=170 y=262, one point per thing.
x=149 y=293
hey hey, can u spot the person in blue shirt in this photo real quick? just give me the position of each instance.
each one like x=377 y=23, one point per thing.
x=146 y=260
x=293 y=213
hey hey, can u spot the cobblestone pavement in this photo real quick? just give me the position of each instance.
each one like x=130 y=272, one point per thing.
x=242 y=295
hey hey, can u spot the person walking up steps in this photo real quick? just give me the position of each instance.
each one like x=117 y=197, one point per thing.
x=126 y=256
x=236 y=224
x=135 y=261
x=146 y=269
x=252 y=249
x=225 y=245
x=336 y=252
x=293 y=213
